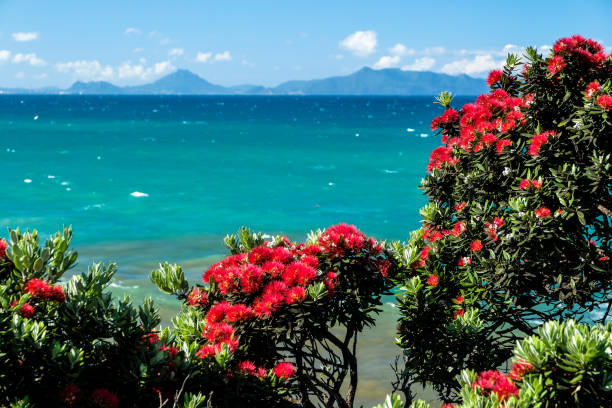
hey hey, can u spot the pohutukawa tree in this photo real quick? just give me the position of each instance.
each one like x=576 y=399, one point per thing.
x=285 y=316
x=518 y=227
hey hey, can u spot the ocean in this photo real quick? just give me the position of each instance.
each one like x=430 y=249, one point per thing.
x=145 y=179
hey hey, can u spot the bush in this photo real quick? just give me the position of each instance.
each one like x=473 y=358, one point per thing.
x=563 y=365
x=71 y=344
x=285 y=314
x=517 y=230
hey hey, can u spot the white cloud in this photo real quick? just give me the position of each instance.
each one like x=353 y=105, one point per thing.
x=400 y=50
x=337 y=56
x=137 y=50
x=360 y=43
x=248 y=63
x=387 y=62
x=163 y=67
x=223 y=56
x=25 y=37
x=20 y=75
x=477 y=65
x=132 y=31
x=175 y=52
x=420 y=64
x=128 y=70
x=165 y=41
x=31 y=59
x=87 y=70
x=5 y=55
x=203 y=56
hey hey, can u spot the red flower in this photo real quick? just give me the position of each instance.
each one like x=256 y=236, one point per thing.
x=284 y=370
x=458 y=299
x=476 y=245
x=239 y=312
x=537 y=184
x=342 y=236
x=295 y=294
x=449 y=116
x=330 y=282
x=433 y=280
x=494 y=77
x=299 y=274
x=499 y=147
x=268 y=304
x=261 y=372
x=103 y=398
x=556 y=65
x=273 y=268
x=495 y=382
x=151 y=338
x=542 y=212
x=459 y=228
x=38 y=288
x=383 y=267
x=57 y=294
x=424 y=255
x=172 y=351
x=310 y=260
x=519 y=369
x=538 y=140
x=197 y=297
x=459 y=313
x=217 y=312
x=447 y=406
x=525 y=184
x=465 y=260
x=460 y=206
x=489 y=139
x=70 y=395
x=260 y=255
x=218 y=332
x=251 y=277
x=247 y=367
x=592 y=89
x=27 y=311
x=605 y=101
x=3 y=247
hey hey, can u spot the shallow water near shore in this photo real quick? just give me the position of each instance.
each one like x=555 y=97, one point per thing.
x=160 y=178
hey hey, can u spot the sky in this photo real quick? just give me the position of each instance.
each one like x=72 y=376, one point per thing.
x=54 y=43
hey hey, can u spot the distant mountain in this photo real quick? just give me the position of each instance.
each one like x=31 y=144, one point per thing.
x=94 y=87
x=366 y=81
x=180 y=82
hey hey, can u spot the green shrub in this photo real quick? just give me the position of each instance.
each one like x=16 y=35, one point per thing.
x=565 y=365
x=518 y=227
x=286 y=314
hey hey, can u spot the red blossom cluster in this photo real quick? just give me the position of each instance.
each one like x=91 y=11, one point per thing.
x=494 y=77
x=261 y=282
x=539 y=140
x=543 y=212
x=482 y=125
x=3 y=247
x=43 y=290
x=103 y=398
x=495 y=382
x=586 y=51
x=519 y=369
x=528 y=183
x=70 y=395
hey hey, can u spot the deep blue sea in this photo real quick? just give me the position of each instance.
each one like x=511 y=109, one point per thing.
x=143 y=179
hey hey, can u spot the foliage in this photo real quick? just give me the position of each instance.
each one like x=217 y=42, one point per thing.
x=518 y=227
x=564 y=365
x=71 y=344
x=285 y=315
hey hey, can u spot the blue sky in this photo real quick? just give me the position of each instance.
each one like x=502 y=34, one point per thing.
x=267 y=42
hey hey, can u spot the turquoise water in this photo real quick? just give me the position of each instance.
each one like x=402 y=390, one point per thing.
x=147 y=179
